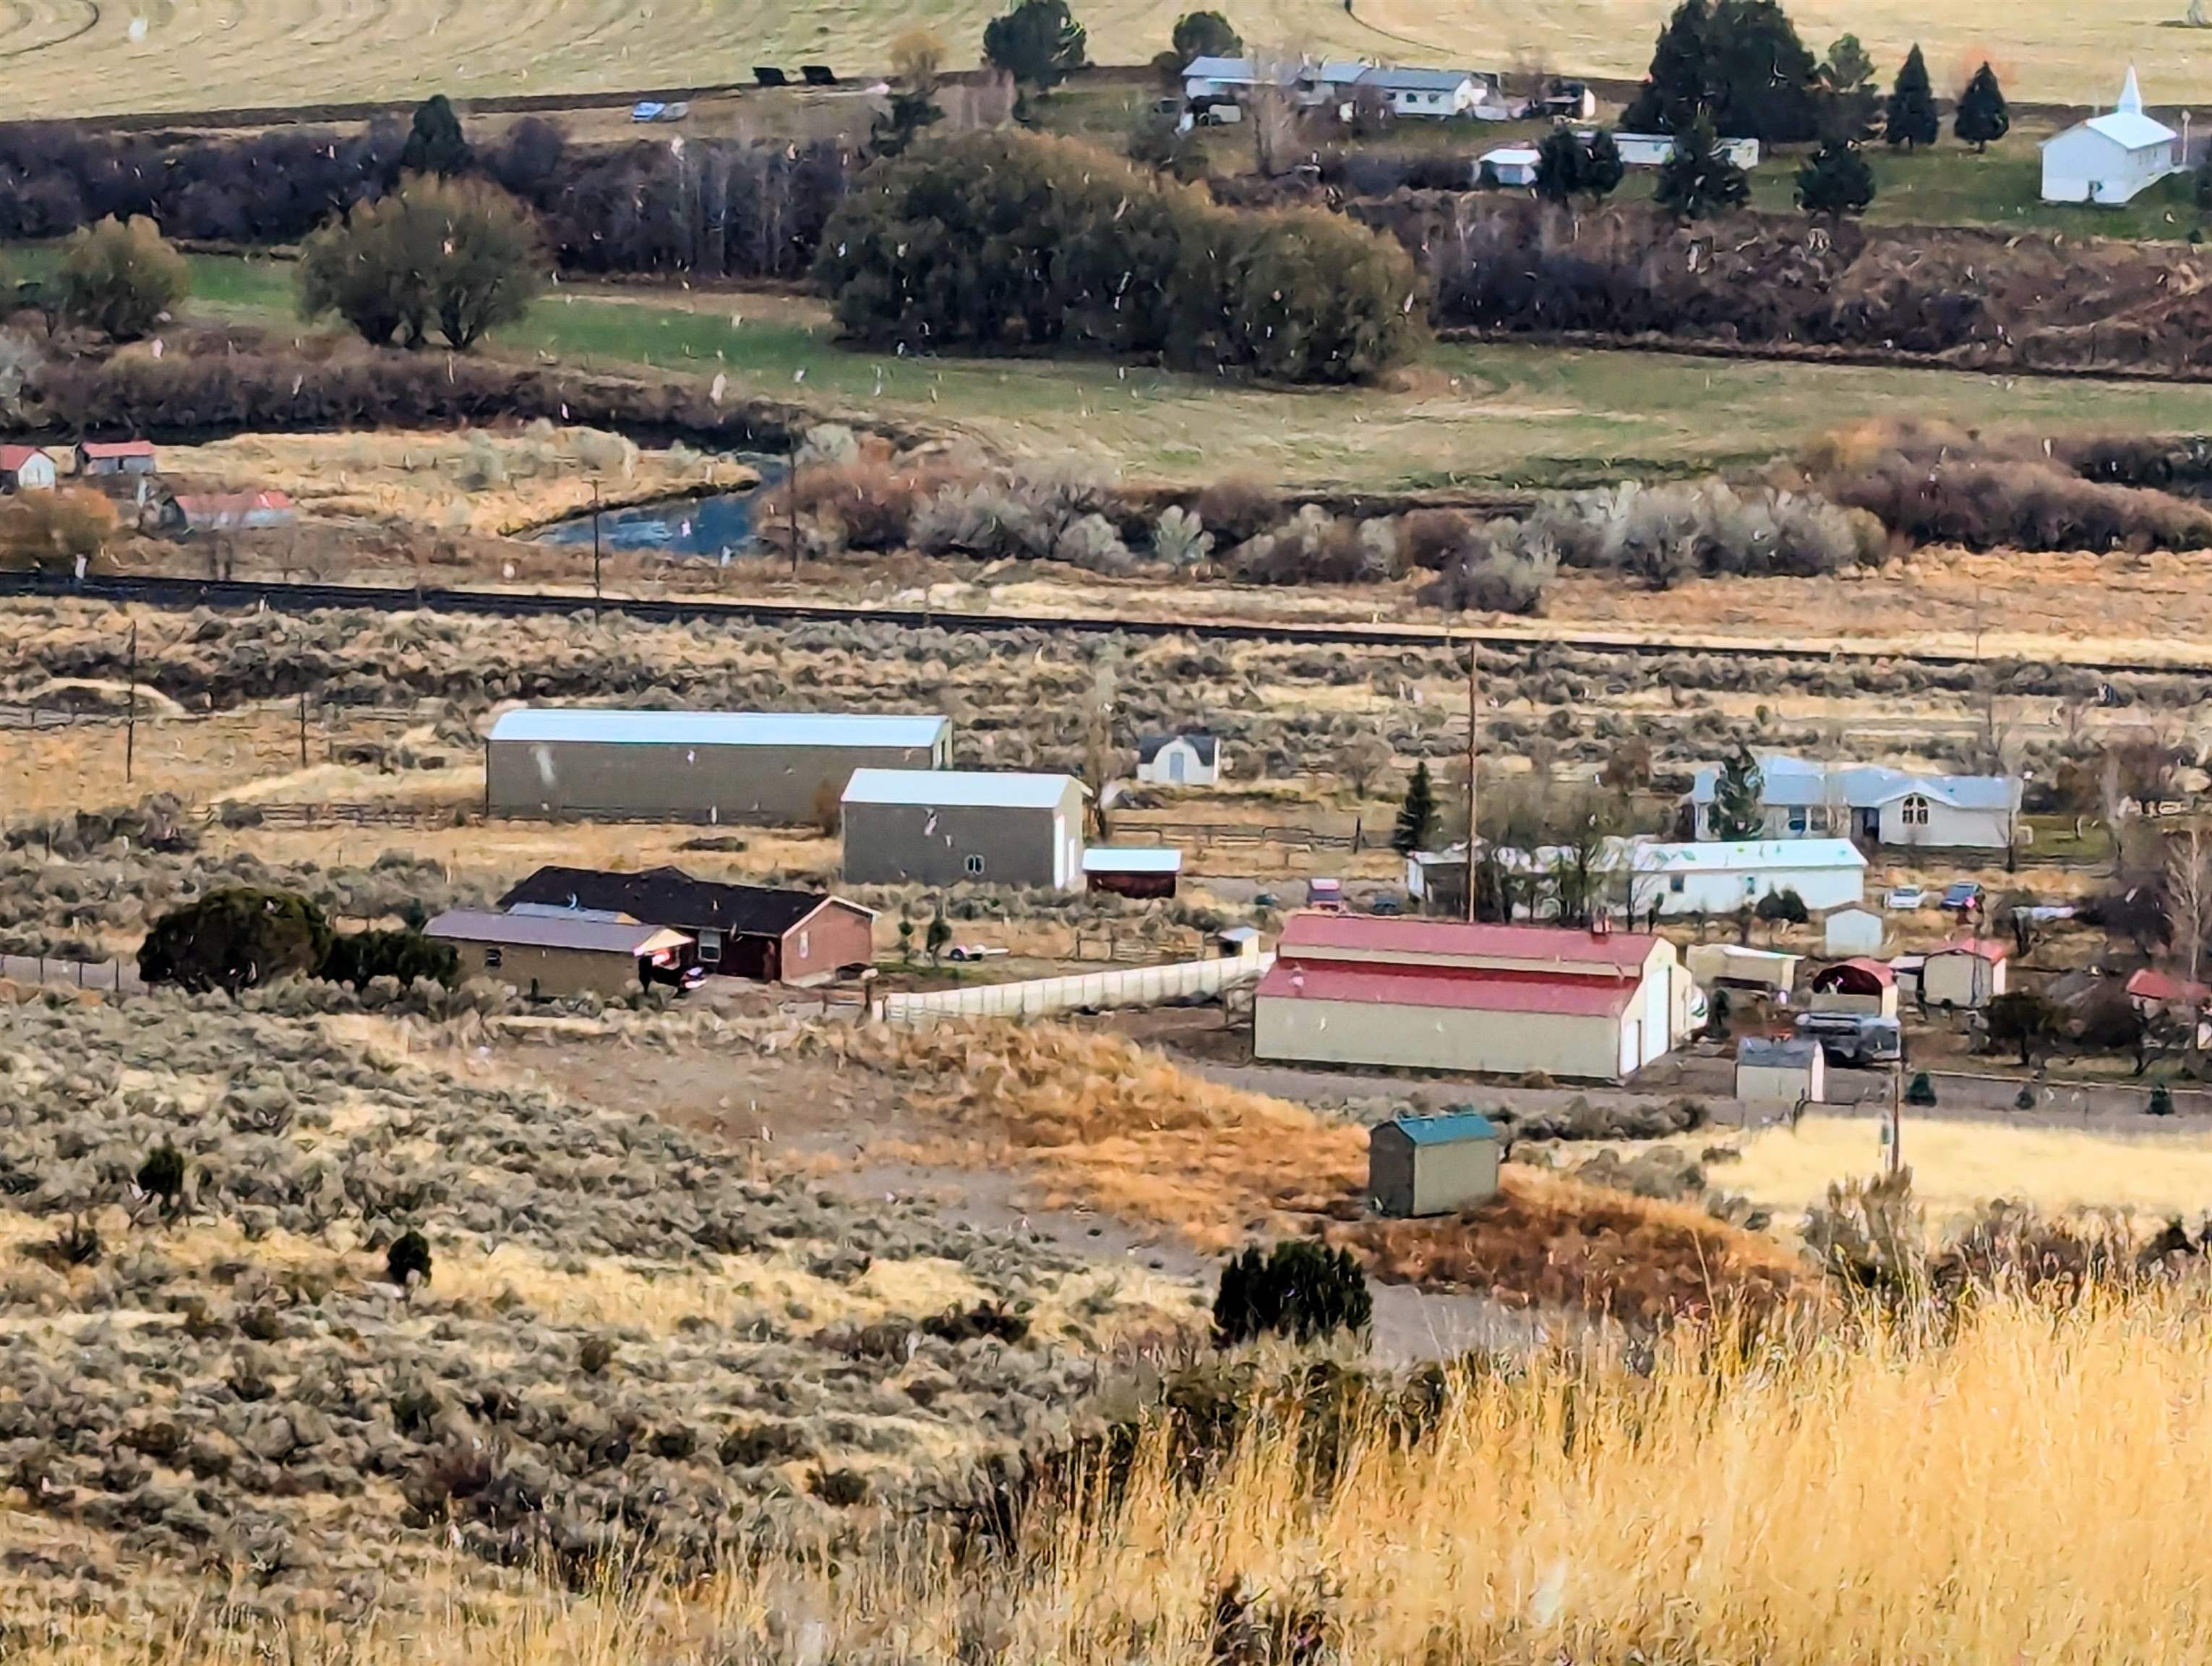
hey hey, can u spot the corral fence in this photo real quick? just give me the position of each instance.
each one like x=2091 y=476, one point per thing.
x=1200 y=836
x=1112 y=946
x=115 y=977
x=1138 y=986
x=338 y=814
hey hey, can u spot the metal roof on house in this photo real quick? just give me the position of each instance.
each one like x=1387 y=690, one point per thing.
x=546 y=931
x=1451 y=988
x=1107 y=859
x=1219 y=69
x=1716 y=856
x=1777 y=1052
x=1200 y=743
x=1832 y=979
x=601 y=726
x=1445 y=1129
x=106 y=449
x=2151 y=984
x=12 y=458
x=1797 y=780
x=2131 y=130
x=1586 y=952
x=1394 y=80
x=1003 y=789
x=670 y=897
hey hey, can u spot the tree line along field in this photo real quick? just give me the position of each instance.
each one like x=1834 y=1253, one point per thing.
x=1465 y=414
x=73 y=57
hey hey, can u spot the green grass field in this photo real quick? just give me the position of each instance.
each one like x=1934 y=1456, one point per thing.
x=1506 y=415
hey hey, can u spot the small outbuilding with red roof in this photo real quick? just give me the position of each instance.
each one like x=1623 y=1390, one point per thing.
x=26 y=468
x=1437 y=994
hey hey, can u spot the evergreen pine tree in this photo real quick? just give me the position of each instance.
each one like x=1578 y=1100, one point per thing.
x=435 y=143
x=1602 y=168
x=1853 y=99
x=1739 y=811
x=1562 y=166
x=1835 y=181
x=1697 y=181
x=1764 y=84
x=1983 y=116
x=1912 y=121
x=1675 y=88
x=1416 y=816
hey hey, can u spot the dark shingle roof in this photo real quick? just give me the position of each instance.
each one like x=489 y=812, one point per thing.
x=670 y=897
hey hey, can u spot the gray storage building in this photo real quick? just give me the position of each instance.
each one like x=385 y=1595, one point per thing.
x=776 y=767
x=1433 y=1166
x=945 y=827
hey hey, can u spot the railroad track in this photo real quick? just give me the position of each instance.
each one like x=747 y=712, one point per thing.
x=242 y=595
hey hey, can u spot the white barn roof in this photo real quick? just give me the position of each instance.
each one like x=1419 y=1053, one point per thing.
x=1005 y=789
x=1123 y=858
x=599 y=726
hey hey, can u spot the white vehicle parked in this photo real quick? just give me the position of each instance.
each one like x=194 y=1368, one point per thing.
x=1905 y=897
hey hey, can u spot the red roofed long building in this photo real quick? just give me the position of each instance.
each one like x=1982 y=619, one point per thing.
x=1435 y=994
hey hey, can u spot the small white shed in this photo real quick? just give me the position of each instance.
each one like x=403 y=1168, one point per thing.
x=1189 y=759
x=1783 y=1070
x=1510 y=165
x=1853 y=929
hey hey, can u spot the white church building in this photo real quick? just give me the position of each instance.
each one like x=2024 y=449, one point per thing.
x=2111 y=158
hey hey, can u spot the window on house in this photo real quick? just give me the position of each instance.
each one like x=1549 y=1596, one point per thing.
x=802 y=945
x=1799 y=822
x=710 y=948
x=492 y=958
x=1916 y=811
x=1675 y=884
x=974 y=867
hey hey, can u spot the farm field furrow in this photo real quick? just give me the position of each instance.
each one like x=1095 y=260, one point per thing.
x=72 y=58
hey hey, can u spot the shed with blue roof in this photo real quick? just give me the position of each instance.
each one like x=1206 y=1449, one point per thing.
x=1433 y=1166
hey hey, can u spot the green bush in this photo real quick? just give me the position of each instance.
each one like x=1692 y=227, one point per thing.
x=410 y=1254
x=1922 y=1092
x=2161 y=1100
x=355 y=957
x=461 y=255
x=1012 y=240
x=1302 y=296
x=121 y=278
x=233 y=939
x=1298 y=1289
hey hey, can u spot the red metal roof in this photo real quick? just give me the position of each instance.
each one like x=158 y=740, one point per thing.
x=1368 y=934
x=1982 y=947
x=12 y=458
x=1457 y=988
x=1880 y=971
x=2150 y=984
x=105 y=448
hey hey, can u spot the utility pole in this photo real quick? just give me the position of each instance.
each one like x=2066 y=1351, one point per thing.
x=595 y=540
x=791 y=497
x=1897 y=1113
x=1473 y=759
x=130 y=723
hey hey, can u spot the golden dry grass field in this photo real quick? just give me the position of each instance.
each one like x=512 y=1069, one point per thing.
x=87 y=57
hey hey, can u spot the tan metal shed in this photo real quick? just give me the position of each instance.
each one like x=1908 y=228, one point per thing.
x=564 y=954
x=1433 y=1166
x=1780 y=1070
x=1967 y=973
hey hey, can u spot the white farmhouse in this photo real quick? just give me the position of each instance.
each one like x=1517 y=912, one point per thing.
x=1189 y=759
x=2111 y=158
x=1438 y=93
x=1722 y=877
x=1804 y=798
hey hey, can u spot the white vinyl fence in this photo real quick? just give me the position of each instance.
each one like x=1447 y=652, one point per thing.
x=1132 y=986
